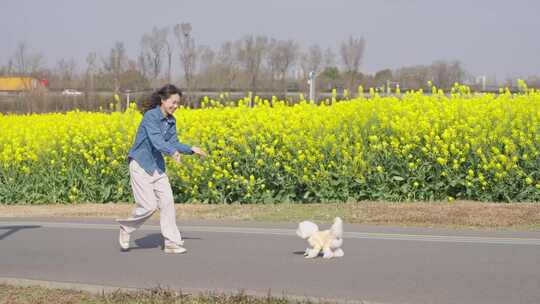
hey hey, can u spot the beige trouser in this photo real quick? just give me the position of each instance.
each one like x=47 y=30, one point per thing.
x=152 y=192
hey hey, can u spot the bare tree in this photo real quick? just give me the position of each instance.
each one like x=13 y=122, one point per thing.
x=26 y=62
x=329 y=59
x=207 y=57
x=132 y=78
x=383 y=77
x=91 y=70
x=144 y=65
x=457 y=72
x=169 y=52
x=446 y=74
x=188 y=55
x=116 y=63
x=250 y=55
x=441 y=75
x=273 y=58
x=311 y=60
x=21 y=58
x=414 y=77
x=227 y=60
x=283 y=55
x=208 y=74
x=7 y=69
x=154 y=45
x=352 y=52
x=66 y=70
x=10 y=67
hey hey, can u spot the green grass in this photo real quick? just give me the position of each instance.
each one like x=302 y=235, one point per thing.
x=457 y=214
x=10 y=294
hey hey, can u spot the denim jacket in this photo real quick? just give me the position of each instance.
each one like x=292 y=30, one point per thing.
x=156 y=136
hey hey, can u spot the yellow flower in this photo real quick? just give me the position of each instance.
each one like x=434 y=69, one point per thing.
x=441 y=160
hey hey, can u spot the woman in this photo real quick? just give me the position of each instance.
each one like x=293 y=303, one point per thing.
x=156 y=136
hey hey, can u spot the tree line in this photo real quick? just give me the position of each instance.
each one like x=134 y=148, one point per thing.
x=255 y=63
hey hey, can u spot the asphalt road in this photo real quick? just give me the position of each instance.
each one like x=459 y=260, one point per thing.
x=381 y=264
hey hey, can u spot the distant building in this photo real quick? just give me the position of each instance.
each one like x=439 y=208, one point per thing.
x=22 y=84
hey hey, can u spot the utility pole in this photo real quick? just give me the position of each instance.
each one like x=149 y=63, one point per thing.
x=388 y=84
x=127 y=99
x=311 y=82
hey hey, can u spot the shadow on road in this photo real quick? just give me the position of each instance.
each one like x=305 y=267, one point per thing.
x=12 y=229
x=153 y=240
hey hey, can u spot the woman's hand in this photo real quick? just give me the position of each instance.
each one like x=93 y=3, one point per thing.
x=198 y=151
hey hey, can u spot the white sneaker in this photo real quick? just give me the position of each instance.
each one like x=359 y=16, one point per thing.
x=123 y=239
x=174 y=248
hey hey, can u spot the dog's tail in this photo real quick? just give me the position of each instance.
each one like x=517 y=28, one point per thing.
x=337 y=228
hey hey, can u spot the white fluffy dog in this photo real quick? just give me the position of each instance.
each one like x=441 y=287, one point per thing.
x=329 y=241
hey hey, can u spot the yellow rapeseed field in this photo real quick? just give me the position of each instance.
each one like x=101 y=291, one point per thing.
x=409 y=146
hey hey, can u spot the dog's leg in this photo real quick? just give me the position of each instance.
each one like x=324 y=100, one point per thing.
x=312 y=253
x=339 y=253
x=327 y=253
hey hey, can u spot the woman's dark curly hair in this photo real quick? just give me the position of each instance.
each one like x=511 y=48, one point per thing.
x=157 y=96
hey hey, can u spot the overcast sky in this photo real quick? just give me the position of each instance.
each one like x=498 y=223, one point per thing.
x=492 y=37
